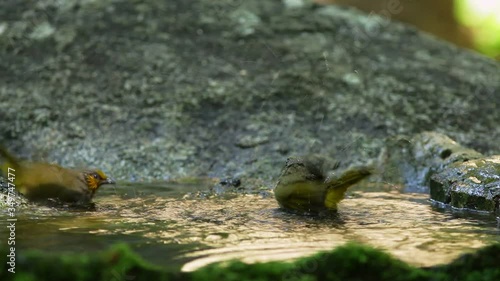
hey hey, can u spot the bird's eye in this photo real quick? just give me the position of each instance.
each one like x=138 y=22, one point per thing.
x=95 y=175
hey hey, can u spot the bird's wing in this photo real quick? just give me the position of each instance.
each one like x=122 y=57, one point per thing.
x=338 y=183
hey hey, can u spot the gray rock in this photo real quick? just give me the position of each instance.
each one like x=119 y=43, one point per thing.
x=473 y=184
x=452 y=174
x=164 y=89
x=412 y=161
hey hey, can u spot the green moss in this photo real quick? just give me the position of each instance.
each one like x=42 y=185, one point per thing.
x=349 y=262
x=437 y=191
x=460 y=199
x=118 y=263
x=237 y=271
x=481 y=265
x=356 y=262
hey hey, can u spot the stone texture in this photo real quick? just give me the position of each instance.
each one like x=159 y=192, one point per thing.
x=152 y=90
x=452 y=174
x=412 y=161
x=473 y=184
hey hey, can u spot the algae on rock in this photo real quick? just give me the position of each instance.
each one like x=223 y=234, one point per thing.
x=453 y=174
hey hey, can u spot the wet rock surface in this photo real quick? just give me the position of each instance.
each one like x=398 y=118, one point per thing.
x=154 y=90
x=473 y=184
x=453 y=174
x=413 y=160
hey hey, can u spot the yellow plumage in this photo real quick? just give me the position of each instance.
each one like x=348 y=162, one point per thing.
x=311 y=184
x=42 y=181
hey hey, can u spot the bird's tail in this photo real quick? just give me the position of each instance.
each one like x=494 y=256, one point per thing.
x=337 y=185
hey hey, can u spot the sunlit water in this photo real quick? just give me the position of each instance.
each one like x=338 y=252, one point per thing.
x=172 y=225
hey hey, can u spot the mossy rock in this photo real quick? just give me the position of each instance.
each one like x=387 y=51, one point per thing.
x=151 y=90
x=472 y=184
x=452 y=174
x=348 y=262
x=413 y=160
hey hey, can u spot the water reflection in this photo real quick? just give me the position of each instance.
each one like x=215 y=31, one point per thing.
x=168 y=228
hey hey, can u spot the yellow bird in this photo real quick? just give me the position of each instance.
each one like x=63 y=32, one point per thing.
x=310 y=183
x=43 y=181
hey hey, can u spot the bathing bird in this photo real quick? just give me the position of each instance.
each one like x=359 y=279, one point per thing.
x=44 y=181
x=313 y=184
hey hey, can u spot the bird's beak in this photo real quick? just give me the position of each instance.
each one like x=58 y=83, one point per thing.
x=108 y=181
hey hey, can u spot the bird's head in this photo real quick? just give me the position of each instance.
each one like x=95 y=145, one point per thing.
x=95 y=179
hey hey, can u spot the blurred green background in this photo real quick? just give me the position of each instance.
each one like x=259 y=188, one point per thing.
x=473 y=24
x=483 y=19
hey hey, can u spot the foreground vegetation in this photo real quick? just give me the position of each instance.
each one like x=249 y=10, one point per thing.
x=349 y=262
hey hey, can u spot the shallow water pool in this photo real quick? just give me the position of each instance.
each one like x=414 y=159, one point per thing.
x=178 y=225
